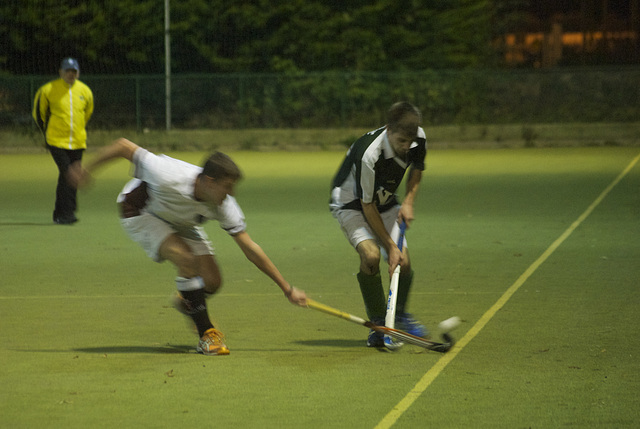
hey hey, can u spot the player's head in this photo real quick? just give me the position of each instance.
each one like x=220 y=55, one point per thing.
x=220 y=166
x=218 y=178
x=404 y=117
x=403 y=120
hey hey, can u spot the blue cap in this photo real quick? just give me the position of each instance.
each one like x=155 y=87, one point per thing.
x=69 y=63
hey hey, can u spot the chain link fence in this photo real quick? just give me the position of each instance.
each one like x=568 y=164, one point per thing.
x=319 y=100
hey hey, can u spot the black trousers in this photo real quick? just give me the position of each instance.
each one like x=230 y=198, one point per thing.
x=66 y=204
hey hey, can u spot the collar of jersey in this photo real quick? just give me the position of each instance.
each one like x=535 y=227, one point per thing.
x=388 y=151
x=386 y=147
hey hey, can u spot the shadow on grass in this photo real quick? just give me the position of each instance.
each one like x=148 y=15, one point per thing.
x=332 y=343
x=9 y=223
x=168 y=349
x=187 y=349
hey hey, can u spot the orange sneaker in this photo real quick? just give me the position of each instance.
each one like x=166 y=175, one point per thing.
x=212 y=344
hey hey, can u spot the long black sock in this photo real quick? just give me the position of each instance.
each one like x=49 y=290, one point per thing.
x=197 y=309
x=404 y=286
x=373 y=295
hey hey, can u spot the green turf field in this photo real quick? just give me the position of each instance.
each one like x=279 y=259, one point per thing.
x=517 y=242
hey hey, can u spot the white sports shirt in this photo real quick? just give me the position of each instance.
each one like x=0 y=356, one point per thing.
x=170 y=186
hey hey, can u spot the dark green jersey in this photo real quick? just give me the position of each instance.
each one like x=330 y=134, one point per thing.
x=372 y=172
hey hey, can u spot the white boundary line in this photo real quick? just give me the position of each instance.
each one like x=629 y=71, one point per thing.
x=392 y=417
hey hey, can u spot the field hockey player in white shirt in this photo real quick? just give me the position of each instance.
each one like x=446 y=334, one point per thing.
x=163 y=208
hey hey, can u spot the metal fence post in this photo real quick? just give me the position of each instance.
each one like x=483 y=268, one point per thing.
x=138 y=107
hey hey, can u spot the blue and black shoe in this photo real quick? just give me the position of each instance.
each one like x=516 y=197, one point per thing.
x=407 y=323
x=376 y=339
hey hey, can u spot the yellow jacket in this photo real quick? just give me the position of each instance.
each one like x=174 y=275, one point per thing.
x=62 y=112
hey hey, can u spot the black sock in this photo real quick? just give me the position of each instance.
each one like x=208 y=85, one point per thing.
x=373 y=295
x=197 y=309
x=404 y=286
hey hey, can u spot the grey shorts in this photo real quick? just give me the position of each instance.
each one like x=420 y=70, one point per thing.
x=150 y=232
x=356 y=228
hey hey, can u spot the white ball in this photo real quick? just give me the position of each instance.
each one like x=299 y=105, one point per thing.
x=449 y=324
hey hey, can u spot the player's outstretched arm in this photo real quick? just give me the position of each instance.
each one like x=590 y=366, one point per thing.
x=256 y=255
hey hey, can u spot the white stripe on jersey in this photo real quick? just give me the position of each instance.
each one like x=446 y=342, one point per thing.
x=369 y=159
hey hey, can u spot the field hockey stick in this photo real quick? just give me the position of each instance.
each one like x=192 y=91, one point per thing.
x=390 y=319
x=394 y=333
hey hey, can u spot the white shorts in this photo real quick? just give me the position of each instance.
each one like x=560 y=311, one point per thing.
x=150 y=232
x=356 y=228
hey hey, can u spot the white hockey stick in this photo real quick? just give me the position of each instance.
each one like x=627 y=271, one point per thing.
x=390 y=319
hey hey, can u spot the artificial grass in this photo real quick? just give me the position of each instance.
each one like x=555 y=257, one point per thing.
x=88 y=338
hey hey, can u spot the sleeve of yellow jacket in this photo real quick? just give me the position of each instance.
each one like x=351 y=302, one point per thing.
x=40 y=110
x=62 y=113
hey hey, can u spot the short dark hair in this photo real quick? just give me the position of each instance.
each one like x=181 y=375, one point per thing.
x=221 y=166
x=398 y=113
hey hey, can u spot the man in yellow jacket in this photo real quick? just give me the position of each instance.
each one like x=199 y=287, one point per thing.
x=62 y=109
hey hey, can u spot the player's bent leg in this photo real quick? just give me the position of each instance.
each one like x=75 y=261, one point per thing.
x=211 y=341
x=371 y=288
x=369 y=253
x=193 y=257
x=209 y=270
x=176 y=250
x=191 y=287
x=193 y=302
x=370 y=281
